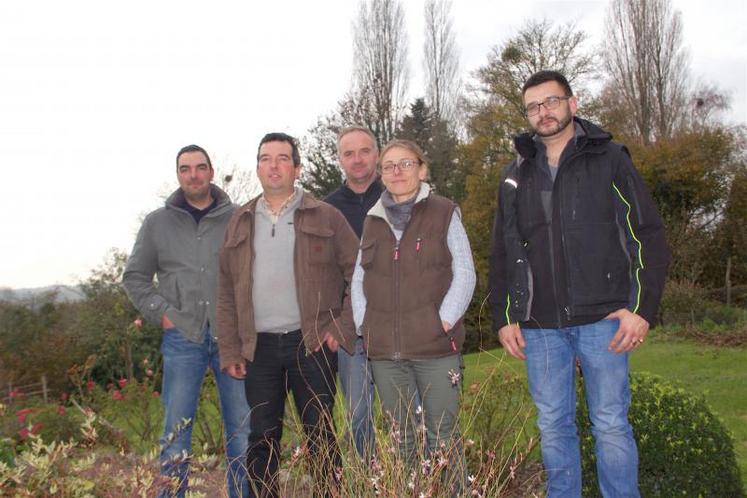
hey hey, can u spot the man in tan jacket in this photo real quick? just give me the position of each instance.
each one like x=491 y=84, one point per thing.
x=285 y=265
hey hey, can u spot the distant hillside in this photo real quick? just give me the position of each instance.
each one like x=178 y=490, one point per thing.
x=62 y=293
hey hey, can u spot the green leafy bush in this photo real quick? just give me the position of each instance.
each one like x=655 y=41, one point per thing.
x=683 y=448
x=7 y=451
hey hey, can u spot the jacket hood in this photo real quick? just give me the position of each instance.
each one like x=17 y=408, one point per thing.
x=176 y=199
x=592 y=135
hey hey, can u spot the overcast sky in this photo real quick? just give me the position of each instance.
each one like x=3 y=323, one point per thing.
x=97 y=97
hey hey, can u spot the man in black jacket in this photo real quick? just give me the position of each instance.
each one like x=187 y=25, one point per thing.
x=357 y=152
x=577 y=270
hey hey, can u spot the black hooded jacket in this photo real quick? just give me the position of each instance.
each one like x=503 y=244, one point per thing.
x=569 y=252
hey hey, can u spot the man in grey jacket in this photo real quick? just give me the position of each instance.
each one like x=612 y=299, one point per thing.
x=179 y=243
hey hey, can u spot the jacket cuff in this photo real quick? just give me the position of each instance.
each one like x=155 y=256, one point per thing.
x=648 y=313
x=499 y=324
x=348 y=342
x=155 y=309
x=226 y=360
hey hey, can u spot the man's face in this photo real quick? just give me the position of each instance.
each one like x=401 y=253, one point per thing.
x=549 y=122
x=194 y=175
x=275 y=168
x=357 y=154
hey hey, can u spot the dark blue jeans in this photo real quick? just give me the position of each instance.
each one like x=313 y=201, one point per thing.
x=281 y=365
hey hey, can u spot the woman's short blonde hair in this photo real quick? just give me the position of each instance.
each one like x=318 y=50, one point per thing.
x=408 y=145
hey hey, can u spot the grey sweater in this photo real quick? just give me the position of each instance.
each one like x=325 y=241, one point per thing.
x=183 y=255
x=274 y=279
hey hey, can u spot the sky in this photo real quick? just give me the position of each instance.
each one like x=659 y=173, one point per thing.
x=97 y=97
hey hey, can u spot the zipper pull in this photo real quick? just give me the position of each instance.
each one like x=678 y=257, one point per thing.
x=453 y=343
x=396 y=252
x=418 y=243
x=273 y=230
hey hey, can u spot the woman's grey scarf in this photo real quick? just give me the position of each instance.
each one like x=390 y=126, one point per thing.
x=398 y=214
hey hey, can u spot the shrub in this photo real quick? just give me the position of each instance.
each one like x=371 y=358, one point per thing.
x=683 y=448
x=679 y=302
x=496 y=412
x=57 y=423
x=687 y=304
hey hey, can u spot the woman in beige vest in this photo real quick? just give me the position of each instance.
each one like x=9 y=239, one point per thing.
x=413 y=281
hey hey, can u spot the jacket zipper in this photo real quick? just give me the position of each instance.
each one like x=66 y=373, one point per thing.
x=566 y=308
x=395 y=273
x=552 y=274
x=551 y=254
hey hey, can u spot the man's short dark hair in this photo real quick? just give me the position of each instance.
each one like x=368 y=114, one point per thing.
x=543 y=77
x=360 y=128
x=282 y=137
x=192 y=148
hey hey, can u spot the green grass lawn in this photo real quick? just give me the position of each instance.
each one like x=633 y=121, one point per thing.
x=719 y=374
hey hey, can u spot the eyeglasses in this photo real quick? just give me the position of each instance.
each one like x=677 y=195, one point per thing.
x=550 y=103
x=404 y=165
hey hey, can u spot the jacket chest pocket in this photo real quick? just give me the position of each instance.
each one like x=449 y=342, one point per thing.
x=237 y=254
x=430 y=250
x=319 y=245
x=587 y=196
x=533 y=206
x=368 y=254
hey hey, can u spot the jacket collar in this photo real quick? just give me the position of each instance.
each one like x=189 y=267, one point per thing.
x=175 y=200
x=308 y=201
x=592 y=136
x=348 y=192
x=379 y=211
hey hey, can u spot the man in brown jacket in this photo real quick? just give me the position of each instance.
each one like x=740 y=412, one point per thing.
x=284 y=266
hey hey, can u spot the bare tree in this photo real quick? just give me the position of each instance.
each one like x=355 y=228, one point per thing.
x=707 y=102
x=647 y=66
x=380 y=63
x=441 y=60
x=538 y=45
x=240 y=183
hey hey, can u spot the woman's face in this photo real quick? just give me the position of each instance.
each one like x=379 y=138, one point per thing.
x=401 y=181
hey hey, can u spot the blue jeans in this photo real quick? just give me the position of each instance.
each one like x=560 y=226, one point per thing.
x=357 y=385
x=184 y=366
x=551 y=357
